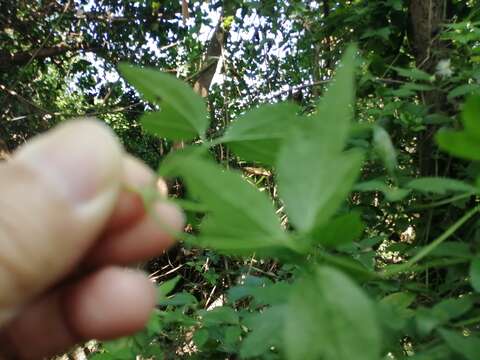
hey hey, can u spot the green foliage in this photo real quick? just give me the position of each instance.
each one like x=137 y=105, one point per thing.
x=177 y=100
x=466 y=346
x=466 y=143
x=339 y=231
x=438 y=185
x=475 y=274
x=330 y=317
x=333 y=304
x=258 y=134
x=314 y=175
x=323 y=219
x=240 y=219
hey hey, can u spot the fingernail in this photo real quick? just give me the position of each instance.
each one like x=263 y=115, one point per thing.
x=169 y=216
x=80 y=159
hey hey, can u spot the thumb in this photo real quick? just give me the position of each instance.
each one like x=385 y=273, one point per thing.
x=55 y=196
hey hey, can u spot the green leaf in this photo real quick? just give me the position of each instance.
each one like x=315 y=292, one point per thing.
x=466 y=346
x=265 y=331
x=330 y=318
x=454 y=308
x=384 y=147
x=178 y=316
x=391 y=193
x=200 y=337
x=439 y=185
x=180 y=299
x=340 y=230
x=462 y=90
x=153 y=351
x=177 y=97
x=154 y=325
x=459 y=144
x=335 y=109
x=257 y=135
x=395 y=4
x=475 y=274
x=438 y=352
x=399 y=300
x=120 y=349
x=219 y=315
x=409 y=89
x=394 y=310
x=231 y=338
x=168 y=124
x=383 y=33
x=414 y=74
x=437 y=119
x=354 y=268
x=452 y=249
x=464 y=144
x=314 y=183
x=471 y=116
x=314 y=176
x=428 y=319
x=240 y=219
x=166 y=287
x=262 y=292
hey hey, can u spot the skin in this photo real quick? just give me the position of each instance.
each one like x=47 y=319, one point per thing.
x=68 y=227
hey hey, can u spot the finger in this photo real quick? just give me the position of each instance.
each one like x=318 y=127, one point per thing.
x=107 y=304
x=132 y=235
x=129 y=207
x=147 y=238
x=57 y=194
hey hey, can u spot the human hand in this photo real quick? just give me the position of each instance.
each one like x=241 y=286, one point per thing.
x=67 y=225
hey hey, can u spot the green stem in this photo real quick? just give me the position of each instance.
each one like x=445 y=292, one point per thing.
x=468 y=322
x=434 y=244
x=443 y=202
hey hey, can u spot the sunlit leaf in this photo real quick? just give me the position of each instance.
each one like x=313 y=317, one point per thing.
x=413 y=73
x=339 y=231
x=168 y=124
x=330 y=318
x=166 y=90
x=314 y=176
x=258 y=134
x=240 y=219
x=384 y=147
x=439 y=185
x=265 y=331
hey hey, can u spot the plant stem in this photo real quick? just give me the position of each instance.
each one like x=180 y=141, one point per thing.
x=434 y=244
x=444 y=202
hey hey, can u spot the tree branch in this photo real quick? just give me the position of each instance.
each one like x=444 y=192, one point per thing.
x=23 y=57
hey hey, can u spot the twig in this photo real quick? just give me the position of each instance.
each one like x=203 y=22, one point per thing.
x=87 y=113
x=22 y=99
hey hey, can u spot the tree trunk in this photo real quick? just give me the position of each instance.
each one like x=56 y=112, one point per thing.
x=203 y=79
x=212 y=56
x=426 y=18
